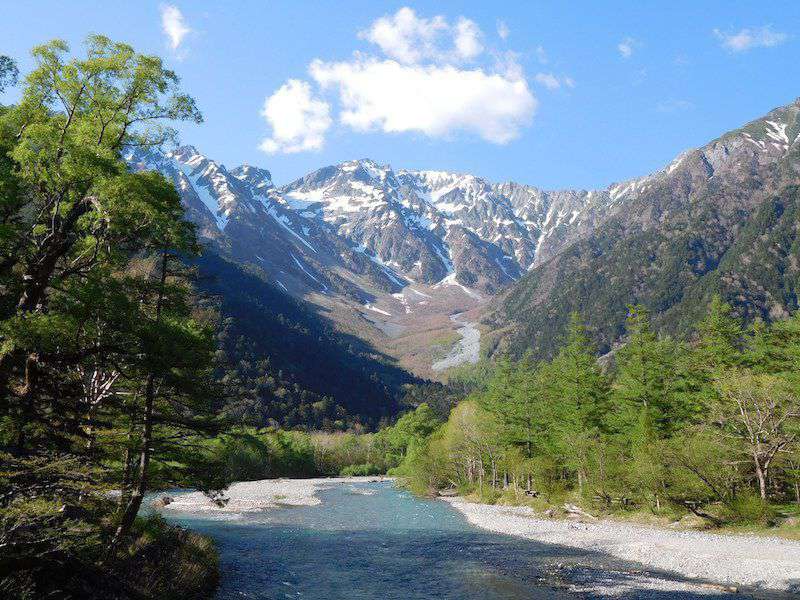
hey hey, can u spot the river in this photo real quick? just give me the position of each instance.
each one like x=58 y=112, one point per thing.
x=372 y=540
x=467 y=349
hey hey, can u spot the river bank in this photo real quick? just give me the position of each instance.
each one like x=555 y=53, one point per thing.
x=374 y=540
x=264 y=494
x=732 y=560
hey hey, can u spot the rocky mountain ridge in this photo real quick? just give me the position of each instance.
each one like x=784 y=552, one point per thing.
x=721 y=219
x=365 y=234
x=365 y=220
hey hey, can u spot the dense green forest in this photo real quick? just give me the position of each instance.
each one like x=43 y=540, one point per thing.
x=702 y=245
x=283 y=365
x=710 y=426
x=105 y=358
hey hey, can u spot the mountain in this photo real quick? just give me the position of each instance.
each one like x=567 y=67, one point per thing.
x=358 y=227
x=721 y=219
x=388 y=257
x=282 y=363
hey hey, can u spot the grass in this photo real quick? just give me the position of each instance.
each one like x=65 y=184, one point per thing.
x=168 y=562
x=443 y=344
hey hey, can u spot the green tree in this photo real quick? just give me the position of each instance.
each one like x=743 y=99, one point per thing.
x=575 y=395
x=75 y=120
x=74 y=206
x=105 y=363
x=8 y=72
x=575 y=378
x=168 y=381
x=762 y=414
x=645 y=405
x=720 y=338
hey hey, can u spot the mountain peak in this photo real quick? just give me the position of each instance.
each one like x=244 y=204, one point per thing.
x=259 y=178
x=184 y=152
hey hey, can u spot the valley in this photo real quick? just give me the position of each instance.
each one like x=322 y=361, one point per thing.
x=389 y=255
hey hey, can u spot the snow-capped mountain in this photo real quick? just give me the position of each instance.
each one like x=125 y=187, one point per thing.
x=362 y=229
x=359 y=225
x=433 y=226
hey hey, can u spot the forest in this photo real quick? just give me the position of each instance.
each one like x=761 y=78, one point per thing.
x=709 y=426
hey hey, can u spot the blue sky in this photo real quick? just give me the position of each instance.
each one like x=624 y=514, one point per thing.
x=553 y=94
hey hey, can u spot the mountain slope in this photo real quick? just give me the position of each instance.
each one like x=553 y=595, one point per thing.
x=359 y=225
x=284 y=364
x=388 y=255
x=720 y=219
x=281 y=360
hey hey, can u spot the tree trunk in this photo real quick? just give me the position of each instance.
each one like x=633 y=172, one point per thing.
x=126 y=476
x=38 y=276
x=135 y=502
x=762 y=479
x=26 y=400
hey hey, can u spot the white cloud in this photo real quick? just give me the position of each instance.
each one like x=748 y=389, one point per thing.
x=502 y=30
x=745 y=39
x=467 y=39
x=435 y=100
x=541 y=55
x=626 y=47
x=434 y=78
x=410 y=39
x=553 y=82
x=173 y=25
x=548 y=80
x=298 y=120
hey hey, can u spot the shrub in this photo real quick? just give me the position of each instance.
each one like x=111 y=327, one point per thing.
x=748 y=509
x=362 y=470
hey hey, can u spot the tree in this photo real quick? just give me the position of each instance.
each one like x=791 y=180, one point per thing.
x=168 y=381
x=577 y=380
x=762 y=414
x=720 y=338
x=507 y=400
x=410 y=429
x=645 y=405
x=775 y=349
x=74 y=205
x=74 y=121
x=8 y=72
x=104 y=358
x=573 y=395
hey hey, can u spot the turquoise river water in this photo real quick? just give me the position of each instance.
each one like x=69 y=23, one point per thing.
x=373 y=541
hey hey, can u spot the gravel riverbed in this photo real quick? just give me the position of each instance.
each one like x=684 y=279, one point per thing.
x=736 y=560
x=251 y=496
